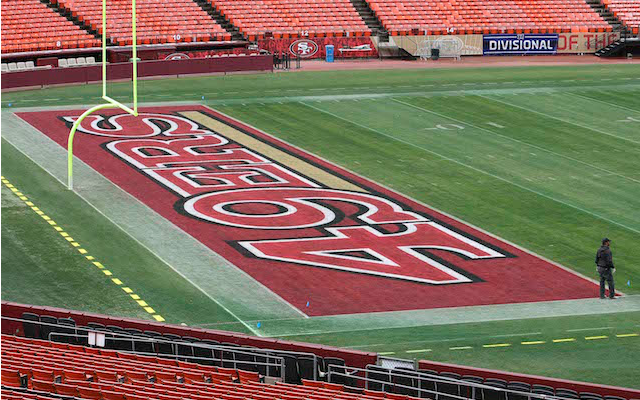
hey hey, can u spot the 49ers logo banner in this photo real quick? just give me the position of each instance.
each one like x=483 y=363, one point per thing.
x=301 y=226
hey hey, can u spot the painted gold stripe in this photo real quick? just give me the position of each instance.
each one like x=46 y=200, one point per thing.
x=280 y=156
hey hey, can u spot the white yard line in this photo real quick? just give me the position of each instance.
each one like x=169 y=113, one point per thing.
x=473 y=168
x=561 y=119
x=517 y=141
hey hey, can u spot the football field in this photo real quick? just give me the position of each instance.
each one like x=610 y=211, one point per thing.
x=532 y=164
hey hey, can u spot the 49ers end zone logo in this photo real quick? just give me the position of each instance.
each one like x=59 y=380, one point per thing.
x=304 y=222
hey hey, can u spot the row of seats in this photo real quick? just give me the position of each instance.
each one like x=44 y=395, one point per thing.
x=286 y=18
x=19 y=66
x=297 y=367
x=627 y=11
x=77 y=61
x=67 y=370
x=407 y=381
x=403 y=17
x=29 y=25
x=157 y=22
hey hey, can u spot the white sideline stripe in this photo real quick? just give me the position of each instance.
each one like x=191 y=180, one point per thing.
x=474 y=168
x=560 y=119
x=604 y=102
x=589 y=329
x=516 y=140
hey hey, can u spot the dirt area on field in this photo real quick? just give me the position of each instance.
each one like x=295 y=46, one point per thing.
x=465 y=62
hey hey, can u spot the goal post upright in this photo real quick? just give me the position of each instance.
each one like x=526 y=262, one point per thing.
x=110 y=103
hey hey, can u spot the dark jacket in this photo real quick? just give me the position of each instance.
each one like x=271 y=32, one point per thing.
x=604 y=258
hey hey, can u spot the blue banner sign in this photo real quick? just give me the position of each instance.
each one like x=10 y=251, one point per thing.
x=514 y=44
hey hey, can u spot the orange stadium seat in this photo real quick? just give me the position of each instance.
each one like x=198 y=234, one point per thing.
x=405 y=17
x=293 y=18
x=627 y=11
x=157 y=22
x=29 y=25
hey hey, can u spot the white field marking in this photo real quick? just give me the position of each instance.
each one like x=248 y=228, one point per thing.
x=475 y=169
x=461 y=348
x=589 y=329
x=251 y=329
x=561 y=119
x=495 y=125
x=604 y=102
x=453 y=217
x=417 y=351
x=516 y=140
x=387 y=353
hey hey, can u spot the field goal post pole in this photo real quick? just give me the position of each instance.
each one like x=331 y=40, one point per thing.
x=111 y=103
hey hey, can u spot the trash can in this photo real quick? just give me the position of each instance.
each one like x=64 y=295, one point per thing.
x=329 y=53
x=435 y=54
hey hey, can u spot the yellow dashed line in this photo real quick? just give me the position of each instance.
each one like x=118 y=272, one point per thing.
x=75 y=244
x=497 y=345
x=533 y=342
x=628 y=335
x=596 y=337
x=564 y=340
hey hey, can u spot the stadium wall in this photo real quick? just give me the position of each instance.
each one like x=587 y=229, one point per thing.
x=353 y=358
x=603 y=390
x=474 y=45
x=120 y=71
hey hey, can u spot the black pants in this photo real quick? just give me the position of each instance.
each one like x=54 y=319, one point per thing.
x=606 y=274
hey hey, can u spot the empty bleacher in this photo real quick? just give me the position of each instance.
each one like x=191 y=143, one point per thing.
x=157 y=22
x=31 y=366
x=406 y=17
x=627 y=11
x=29 y=25
x=293 y=18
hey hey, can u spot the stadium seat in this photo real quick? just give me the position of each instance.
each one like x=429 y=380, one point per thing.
x=11 y=378
x=5 y=67
x=627 y=11
x=29 y=25
x=413 y=17
x=293 y=19
x=62 y=62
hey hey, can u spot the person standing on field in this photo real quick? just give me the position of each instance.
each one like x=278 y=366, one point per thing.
x=604 y=263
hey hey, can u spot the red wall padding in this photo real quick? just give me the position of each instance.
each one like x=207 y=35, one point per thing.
x=56 y=76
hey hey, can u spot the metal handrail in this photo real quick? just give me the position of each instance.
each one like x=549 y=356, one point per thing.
x=267 y=353
x=435 y=379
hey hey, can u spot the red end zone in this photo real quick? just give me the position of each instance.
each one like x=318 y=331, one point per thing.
x=308 y=230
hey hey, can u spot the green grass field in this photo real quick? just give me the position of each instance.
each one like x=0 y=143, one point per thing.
x=545 y=157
